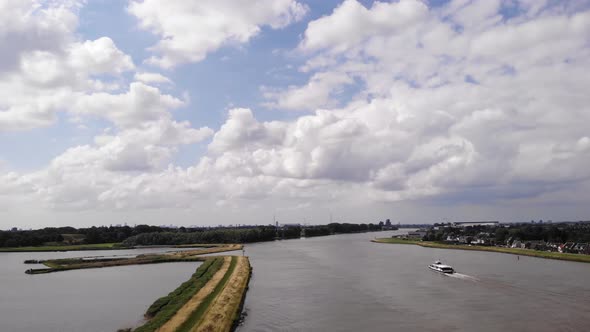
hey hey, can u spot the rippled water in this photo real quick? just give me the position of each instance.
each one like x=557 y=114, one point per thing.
x=93 y=300
x=347 y=283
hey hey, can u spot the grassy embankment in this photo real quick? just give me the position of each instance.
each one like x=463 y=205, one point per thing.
x=56 y=265
x=215 y=306
x=224 y=312
x=513 y=251
x=164 y=308
x=75 y=247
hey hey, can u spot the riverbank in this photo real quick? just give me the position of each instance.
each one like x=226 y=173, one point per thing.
x=512 y=251
x=65 y=264
x=210 y=301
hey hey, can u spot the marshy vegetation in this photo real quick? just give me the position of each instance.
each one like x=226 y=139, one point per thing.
x=65 y=264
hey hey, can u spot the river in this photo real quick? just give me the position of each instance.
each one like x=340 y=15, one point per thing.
x=333 y=283
x=93 y=300
x=347 y=283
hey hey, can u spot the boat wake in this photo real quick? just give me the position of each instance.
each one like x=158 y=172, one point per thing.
x=463 y=276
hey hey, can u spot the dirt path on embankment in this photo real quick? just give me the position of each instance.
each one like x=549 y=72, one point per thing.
x=184 y=313
x=224 y=310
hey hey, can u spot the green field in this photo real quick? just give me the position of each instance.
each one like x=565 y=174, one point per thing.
x=513 y=251
x=100 y=246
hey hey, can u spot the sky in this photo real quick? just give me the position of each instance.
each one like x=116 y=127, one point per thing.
x=308 y=111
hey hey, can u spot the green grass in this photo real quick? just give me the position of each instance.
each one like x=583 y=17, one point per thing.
x=514 y=251
x=100 y=246
x=65 y=264
x=396 y=241
x=197 y=245
x=166 y=307
x=196 y=315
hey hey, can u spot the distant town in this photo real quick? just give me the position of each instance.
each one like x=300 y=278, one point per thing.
x=562 y=237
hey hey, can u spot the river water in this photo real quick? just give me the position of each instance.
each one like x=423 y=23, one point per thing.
x=347 y=283
x=334 y=283
x=93 y=300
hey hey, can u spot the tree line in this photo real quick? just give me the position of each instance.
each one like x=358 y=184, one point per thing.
x=244 y=235
x=71 y=235
x=155 y=235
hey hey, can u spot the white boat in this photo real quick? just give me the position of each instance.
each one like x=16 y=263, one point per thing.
x=440 y=267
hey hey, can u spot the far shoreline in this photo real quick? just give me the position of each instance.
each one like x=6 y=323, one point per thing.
x=120 y=246
x=580 y=258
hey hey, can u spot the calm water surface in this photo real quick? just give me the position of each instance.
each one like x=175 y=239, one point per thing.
x=93 y=300
x=346 y=283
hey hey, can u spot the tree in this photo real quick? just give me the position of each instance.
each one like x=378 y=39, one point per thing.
x=501 y=234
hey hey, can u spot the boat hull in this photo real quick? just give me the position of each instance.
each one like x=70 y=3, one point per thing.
x=439 y=270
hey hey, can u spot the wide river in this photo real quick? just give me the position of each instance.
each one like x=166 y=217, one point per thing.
x=334 y=283
x=347 y=283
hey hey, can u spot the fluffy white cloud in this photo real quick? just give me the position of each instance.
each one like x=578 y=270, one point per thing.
x=190 y=30
x=241 y=131
x=147 y=77
x=99 y=56
x=351 y=22
x=52 y=71
x=26 y=27
x=140 y=104
x=44 y=67
x=469 y=100
x=118 y=171
x=318 y=92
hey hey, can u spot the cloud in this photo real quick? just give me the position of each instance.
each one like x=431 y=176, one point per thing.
x=156 y=78
x=462 y=105
x=190 y=30
x=127 y=169
x=457 y=104
x=99 y=56
x=26 y=28
x=242 y=131
x=43 y=67
x=317 y=93
x=140 y=104
x=351 y=22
